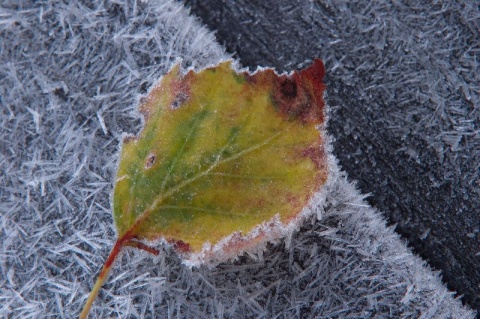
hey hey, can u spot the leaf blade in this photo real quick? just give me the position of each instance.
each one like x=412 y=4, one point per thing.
x=194 y=174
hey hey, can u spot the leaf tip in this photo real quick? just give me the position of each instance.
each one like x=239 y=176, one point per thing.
x=169 y=87
x=295 y=96
x=300 y=95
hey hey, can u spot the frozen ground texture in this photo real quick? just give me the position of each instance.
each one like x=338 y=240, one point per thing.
x=70 y=77
x=403 y=79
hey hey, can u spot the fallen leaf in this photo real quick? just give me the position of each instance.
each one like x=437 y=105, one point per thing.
x=224 y=158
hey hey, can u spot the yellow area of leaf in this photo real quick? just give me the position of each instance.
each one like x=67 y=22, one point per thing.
x=221 y=152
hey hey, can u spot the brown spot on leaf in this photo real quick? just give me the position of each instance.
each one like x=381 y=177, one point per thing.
x=299 y=95
x=260 y=202
x=180 y=245
x=317 y=155
x=176 y=88
x=128 y=139
x=288 y=88
x=181 y=91
x=293 y=200
x=180 y=99
x=150 y=160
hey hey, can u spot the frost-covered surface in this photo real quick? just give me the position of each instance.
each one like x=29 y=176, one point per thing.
x=70 y=77
x=403 y=79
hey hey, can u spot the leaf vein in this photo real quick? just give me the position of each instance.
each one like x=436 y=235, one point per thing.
x=217 y=162
x=245 y=176
x=203 y=210
x=196 y=123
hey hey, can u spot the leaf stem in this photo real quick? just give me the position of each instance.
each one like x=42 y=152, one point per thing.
x=102 y=277
x=142 y=246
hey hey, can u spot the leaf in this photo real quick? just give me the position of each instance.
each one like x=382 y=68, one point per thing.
x=222 y=155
